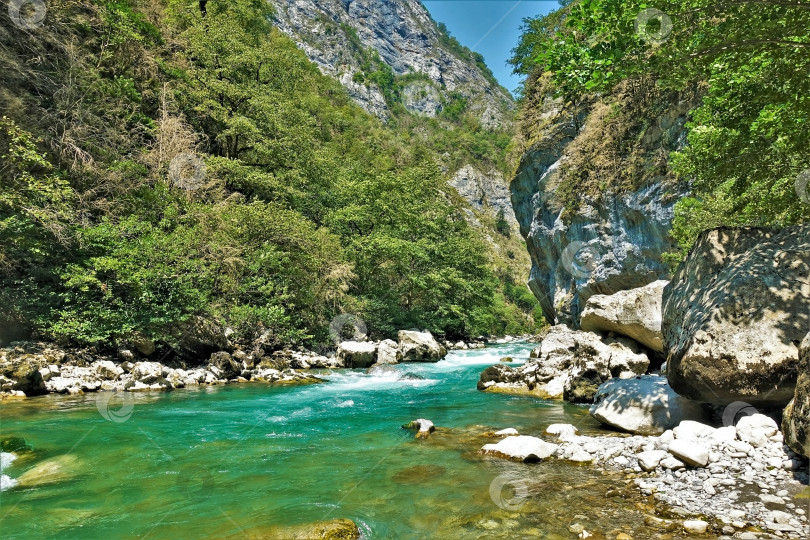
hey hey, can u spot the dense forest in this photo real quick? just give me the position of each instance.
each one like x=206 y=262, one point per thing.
x=743 y=64
x=167 y=162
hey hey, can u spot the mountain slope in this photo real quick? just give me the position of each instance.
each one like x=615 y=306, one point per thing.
x=390 y=55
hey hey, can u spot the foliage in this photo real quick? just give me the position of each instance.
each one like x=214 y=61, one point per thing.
x=309 y=207
x=747 y=139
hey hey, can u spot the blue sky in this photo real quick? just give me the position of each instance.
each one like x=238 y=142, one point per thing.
x=490 y=27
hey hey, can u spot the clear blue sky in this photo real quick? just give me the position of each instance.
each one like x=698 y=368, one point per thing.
x=490 y=27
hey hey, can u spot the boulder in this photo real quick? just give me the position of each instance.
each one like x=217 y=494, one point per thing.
x=228 y=366
x=796 y=418
x=690 y=452
x=107 y=370
x=357 y=354
x=521 y=448
x=734 y=314
x=562 y=431
x=568 y=364
x=148 y=372
x=388 y=352
x=508 y=432
x=756 y=429
x=644 y=405
x=417 y=346
x=198 y=338
x=635 y=313
x=28 y=379
x=423 y=427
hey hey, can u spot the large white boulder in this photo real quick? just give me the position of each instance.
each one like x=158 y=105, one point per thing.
x=521 y=448
x=417 y=346
x=735 y=313
x=635 y=313
x=387 y=352
x=357 y=354
x=644 y=405
x=756 y=429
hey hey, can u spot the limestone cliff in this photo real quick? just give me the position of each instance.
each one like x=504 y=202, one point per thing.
x=390 y=54
x=593 y=195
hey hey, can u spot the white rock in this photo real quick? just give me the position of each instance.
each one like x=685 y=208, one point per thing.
x=357 y=354
x=387 y=352
x=645 y=405
x=508 y=432
x=695 y=526
x=419 y=347
x=581 y=456
x=649 y=460
x=722 y=435
x=691 y=430
x=521 y=447
x=756 y=429
x=635 y=313
x=690 y=452
x=672 y=463
x=562 y=431
x=107 y=369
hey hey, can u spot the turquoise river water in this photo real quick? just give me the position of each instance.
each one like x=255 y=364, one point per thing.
x=248 y=460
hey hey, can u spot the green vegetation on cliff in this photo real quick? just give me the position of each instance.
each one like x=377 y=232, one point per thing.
x=299 y=205
x=747 y=144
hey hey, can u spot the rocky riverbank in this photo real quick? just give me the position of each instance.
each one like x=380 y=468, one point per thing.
x=735 y=481
x=34 y=368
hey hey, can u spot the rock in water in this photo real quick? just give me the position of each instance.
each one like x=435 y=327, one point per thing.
x=417 y=346
x=423 y=427
x=796 y=418
x=357 y=354
x=635 y=313
x=734 y=314
x=521 y=448
x=387 y=352
x=645 y=405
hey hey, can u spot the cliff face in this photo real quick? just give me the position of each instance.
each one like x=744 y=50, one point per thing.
x=390 y=53
x=606 y=230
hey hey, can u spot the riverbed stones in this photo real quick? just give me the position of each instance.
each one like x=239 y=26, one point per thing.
x=521 y=448
x=415 y=346
x=643 y=405
x=796 y=417
x=635 y=313
x=734 y=314
x=357 y=354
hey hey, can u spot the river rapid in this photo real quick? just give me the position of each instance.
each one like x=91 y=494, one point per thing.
x=249 y=459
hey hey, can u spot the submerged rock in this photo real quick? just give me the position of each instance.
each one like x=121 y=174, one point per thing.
x=644 y=405
x=335 y=529
x=53 y=470
x=521 y=448
x=734 y=314
x=635 y=313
